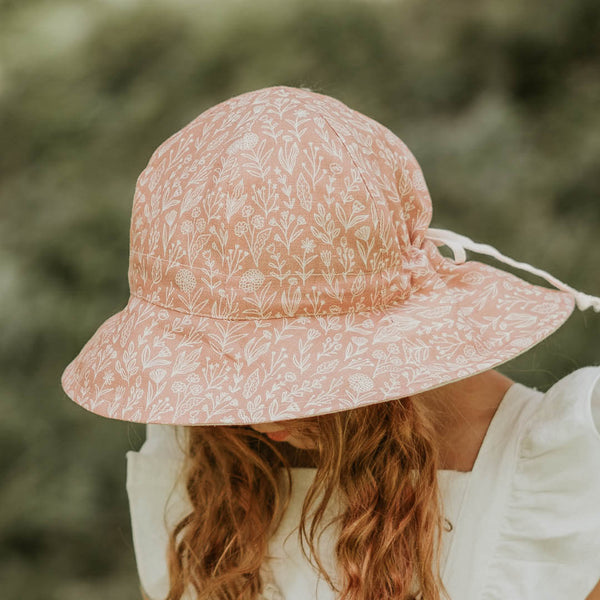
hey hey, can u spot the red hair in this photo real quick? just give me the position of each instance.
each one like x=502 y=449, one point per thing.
x=381 y=460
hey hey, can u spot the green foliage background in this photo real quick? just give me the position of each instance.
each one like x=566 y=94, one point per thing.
x=497 y=99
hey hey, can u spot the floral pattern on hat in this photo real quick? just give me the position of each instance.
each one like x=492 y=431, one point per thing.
x=279 y=268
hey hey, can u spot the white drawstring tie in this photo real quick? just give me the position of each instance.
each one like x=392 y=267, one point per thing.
x=459 y=243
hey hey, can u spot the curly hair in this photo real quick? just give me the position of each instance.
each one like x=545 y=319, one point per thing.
x=381 y=460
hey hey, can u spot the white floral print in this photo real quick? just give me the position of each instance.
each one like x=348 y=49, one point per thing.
x=279 y=256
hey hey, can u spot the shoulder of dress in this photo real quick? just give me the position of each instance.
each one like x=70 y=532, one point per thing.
x=549 y=532
x=567 y=415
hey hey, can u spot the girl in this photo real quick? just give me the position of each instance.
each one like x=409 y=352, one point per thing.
x=324 y=417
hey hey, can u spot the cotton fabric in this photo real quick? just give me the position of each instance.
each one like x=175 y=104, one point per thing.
x=526 y=519
x=281 y=266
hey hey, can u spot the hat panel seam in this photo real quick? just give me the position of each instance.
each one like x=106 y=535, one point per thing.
x=401 y=245
x=351 y=155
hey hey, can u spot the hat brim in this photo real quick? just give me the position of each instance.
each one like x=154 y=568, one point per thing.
x=150 y=364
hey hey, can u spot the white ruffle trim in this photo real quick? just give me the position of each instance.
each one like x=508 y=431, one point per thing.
x=549 y=543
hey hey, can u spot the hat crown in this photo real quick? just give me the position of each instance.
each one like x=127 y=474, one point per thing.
x=280 y=202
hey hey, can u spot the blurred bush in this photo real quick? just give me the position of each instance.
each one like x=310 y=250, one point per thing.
x=498 y=100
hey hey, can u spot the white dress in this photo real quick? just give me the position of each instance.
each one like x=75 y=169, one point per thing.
x=526 y=519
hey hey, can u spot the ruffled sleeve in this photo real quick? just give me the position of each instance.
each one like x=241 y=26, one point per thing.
x=548 y=547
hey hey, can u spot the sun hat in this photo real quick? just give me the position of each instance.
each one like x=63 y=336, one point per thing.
x=282 y=266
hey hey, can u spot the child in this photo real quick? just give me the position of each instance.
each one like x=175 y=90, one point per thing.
x=308 y=362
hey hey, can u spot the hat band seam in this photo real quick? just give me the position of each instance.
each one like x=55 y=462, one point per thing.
x=193 y=268
x=299 y=316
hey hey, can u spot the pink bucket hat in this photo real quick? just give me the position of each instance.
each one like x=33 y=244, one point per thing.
x=282 y=266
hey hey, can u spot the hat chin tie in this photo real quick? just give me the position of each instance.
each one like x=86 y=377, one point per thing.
x=459 y=243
